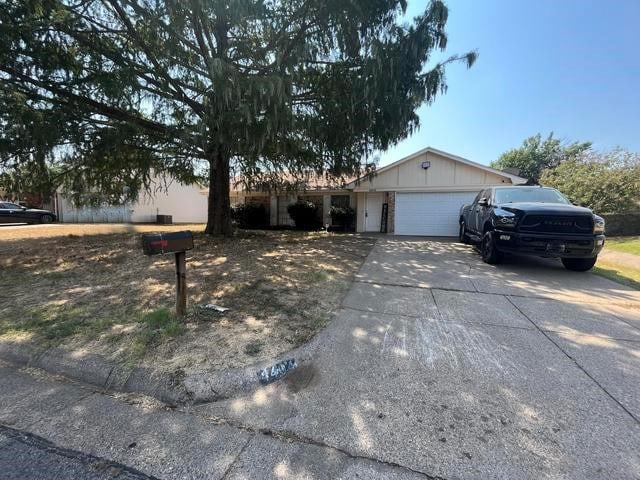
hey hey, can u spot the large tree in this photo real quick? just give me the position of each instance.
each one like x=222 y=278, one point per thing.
x=607 y=182
x=535 y=155
x=111 y=92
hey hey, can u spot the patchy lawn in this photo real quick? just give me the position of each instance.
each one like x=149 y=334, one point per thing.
x=100 y=294
x=622 y=265
x=618 y=273
x=624 y=244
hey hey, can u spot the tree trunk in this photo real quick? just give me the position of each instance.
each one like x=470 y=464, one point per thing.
x=219 y=207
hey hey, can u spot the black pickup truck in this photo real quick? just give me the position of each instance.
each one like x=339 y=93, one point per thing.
x=533 y=221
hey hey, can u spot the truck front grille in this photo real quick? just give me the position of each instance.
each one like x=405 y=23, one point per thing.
x=572 y=224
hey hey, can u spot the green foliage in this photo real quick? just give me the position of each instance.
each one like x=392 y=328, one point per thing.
x=157 y=319
x=624 y=244
x=304 y=214
x=535 y=155
x=317 y=276
x=249 y=215
x=108 y=92
x=51 y=323
x=28 y=180
x=606 y=182
x=254 y=348
x=343 y=216
x=157 y=326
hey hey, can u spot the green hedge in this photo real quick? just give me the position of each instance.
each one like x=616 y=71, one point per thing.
x=250 y=215
x=622 y=223
x=304 y=214
x=344 y=217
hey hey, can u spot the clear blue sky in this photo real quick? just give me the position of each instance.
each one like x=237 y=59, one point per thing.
x=567 y=66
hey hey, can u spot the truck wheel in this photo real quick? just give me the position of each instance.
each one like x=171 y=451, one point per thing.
x=46 y=218
x=462 y=234
x=488 y=250
x=579 y=264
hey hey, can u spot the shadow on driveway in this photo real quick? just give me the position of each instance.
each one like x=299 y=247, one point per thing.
x=451 y=367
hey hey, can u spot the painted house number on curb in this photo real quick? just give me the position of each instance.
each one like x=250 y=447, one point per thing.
x=276 y=372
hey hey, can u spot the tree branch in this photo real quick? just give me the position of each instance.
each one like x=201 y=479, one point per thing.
x=97 y=107
x=196 y=107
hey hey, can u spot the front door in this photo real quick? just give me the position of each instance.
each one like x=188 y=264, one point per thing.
x=373 y=211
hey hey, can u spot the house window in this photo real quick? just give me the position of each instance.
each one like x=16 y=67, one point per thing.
x=341 y=201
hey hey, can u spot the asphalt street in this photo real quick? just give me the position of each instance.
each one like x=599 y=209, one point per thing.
x=25 y=456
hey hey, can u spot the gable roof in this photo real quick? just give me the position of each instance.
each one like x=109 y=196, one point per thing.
x=515 y=179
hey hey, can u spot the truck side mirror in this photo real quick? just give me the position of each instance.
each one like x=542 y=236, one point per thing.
x=483 y=202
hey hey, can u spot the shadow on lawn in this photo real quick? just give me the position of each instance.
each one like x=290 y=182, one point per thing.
x=617 y=275
x=96 y=292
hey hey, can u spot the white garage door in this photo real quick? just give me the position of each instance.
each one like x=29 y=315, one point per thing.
x=430 y=213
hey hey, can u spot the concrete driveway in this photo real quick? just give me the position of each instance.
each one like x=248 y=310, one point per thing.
x=457 y=369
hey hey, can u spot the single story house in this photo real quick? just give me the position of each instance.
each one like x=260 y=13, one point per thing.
x=420 y=194
x=322 y=192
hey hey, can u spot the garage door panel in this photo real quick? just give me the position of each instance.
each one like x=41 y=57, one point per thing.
x=433 y=214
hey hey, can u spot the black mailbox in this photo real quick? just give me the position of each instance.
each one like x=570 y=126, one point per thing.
x=171 y=242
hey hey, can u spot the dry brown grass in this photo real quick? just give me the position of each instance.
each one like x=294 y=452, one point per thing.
x=98 y=293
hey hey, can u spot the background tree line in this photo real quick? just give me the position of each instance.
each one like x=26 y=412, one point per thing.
x=607 y=182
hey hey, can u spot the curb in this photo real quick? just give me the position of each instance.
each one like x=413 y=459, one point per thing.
x=172 y=388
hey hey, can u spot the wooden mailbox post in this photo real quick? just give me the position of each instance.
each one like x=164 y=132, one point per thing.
x=177 y=243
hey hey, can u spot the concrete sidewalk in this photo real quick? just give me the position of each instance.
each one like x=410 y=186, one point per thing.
x=143 y=436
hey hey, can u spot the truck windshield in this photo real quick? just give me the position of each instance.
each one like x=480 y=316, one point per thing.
x=525 y=194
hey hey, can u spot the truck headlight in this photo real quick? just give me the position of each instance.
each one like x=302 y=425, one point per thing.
x=598 y=224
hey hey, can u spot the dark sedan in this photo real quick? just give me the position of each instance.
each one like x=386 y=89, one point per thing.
x=14 y=213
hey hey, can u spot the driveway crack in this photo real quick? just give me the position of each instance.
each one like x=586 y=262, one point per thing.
x=440 y=316
x=309 y=441
x=514 y=295
x=545 y=333
x=235 y=460
x=288 y=436
x=471 y=279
